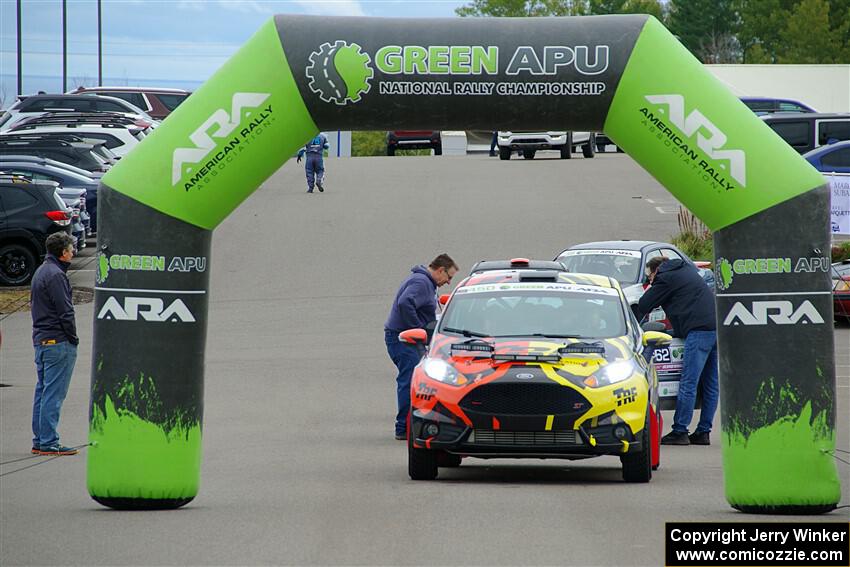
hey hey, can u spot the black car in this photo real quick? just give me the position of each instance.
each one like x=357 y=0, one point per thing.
x=29 y=213
x=73 y=153
x=807 y=131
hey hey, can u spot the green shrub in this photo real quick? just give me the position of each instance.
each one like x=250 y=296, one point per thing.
x=694 y=238
x=841 y=252
x=372 y=143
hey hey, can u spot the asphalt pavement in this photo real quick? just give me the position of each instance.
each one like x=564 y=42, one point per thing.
x=300 y=466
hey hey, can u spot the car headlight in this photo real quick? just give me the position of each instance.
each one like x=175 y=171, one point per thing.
x=611 y=374
x=439 y=370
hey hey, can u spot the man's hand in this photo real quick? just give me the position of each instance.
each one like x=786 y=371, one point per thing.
x=298 y=159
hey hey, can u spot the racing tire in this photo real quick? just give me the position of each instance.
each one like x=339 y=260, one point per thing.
x=448 y=460
x=390 y=151
x=528 y=154
x=17 y=264
x=438 y=150
x=637 y=467
x=505 y=153
x=421 y=463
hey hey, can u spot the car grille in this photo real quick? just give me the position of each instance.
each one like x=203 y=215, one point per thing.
x=517 y=398
x=524 y=438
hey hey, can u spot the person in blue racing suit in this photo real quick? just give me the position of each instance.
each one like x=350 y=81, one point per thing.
x=315 y=166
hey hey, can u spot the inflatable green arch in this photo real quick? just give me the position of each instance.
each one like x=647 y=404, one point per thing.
x=624 y=75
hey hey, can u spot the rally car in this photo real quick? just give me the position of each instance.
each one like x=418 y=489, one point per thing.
x=537 y=364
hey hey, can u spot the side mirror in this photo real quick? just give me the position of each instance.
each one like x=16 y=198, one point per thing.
x=414 y=336
x=444 y=299
x=656 y=339
x=654 y=326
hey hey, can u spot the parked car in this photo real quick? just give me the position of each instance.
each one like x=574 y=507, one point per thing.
x=523 y=367
x=95 y=176
x=414 y=140
x=117 y=138
x=529 y=143
x=831 y=158
x=157 y=102
x=841 y=290
x=29 y=213
x=35 y=105
x=98 y=146
x=75 y=153
x=68 y=179
x=766 y=105
x=805 y=132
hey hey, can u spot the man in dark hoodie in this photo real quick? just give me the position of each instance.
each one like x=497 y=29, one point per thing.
x=54 y=335
x=689 y=304
x=414 y=307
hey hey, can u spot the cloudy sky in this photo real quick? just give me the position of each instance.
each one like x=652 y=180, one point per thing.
x=177 y=43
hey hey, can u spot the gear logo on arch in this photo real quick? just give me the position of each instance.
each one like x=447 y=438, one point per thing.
x=340 y=73
x=725 y=274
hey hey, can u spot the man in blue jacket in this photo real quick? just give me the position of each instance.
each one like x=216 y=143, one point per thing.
x=689 y=304
x=315 y=166
x=414 y=307
x=54 y=336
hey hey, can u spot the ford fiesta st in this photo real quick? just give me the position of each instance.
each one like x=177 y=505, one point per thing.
x=539 y=364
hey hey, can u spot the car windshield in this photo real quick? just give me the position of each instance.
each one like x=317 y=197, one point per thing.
x=624 y=266
x=535 y=309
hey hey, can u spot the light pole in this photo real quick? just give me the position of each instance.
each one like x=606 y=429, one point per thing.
x=20 y=58
x=99 y=44
x=64 y=45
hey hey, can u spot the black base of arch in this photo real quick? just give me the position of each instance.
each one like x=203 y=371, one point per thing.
x=792 y=510
x=142 y=503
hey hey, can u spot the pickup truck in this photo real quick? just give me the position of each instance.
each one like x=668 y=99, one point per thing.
x=528 y=143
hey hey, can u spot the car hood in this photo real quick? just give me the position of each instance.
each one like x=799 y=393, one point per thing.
x=615 y=349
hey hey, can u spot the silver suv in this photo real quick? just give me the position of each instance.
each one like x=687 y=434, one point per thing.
x=528 y=143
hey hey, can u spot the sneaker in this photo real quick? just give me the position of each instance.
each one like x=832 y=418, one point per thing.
x=320 y=186
x=676 y=438
x=699 y=438
x=492 y=154
x=309 y=190
x=401 y=436
x=36 y=450
x=57 y=450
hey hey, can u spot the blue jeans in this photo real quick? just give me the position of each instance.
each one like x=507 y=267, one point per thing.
x=699 y=370
x=405 y=357
x=54 y=365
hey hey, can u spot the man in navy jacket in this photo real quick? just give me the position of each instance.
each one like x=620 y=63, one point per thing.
x=414 y=307
x=689 y=304
x=54 y=336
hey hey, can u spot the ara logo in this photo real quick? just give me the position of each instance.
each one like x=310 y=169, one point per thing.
x=223 y=123
x=149 y=308
x=778 y=312
x=339 y=73
x=696 y=124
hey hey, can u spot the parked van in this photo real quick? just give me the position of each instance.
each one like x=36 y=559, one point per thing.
x=807 y=131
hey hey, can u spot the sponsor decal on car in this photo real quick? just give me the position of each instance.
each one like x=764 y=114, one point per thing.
x=630 y=253
x=341 y=72
x=560 y=287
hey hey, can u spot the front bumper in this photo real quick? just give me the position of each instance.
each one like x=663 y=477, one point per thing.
x=578 y=443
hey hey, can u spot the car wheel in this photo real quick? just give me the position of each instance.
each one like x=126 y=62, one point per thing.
x=504 y=153
x=390 y=151
x=637 y=467
x=448 y=460
x=565 y=152
x=438 y=150
x=421 y=463
x=528 y=154
x=17 y=264
x=588 y=148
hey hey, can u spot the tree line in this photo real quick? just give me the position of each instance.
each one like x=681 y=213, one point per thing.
x=716 y=31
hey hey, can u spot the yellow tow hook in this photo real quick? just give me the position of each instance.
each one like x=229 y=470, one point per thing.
x=625 y=445
x=592 y=440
